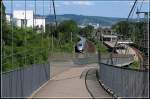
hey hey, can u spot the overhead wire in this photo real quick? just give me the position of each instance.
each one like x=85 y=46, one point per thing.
x=25 y=39
x=12 y=31
x=42 y=26
x=131 y=16
x=132 y=9
x=49 y=24
x=55 y=21
x=141 y=5
x=54 y=13
x=116 y=43
x=52 y=34
x=35 y=25
x=11 y=46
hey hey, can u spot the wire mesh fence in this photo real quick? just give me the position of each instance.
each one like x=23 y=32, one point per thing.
x=120 y=60
x=25 y=47
x=25 y=54
x=60 y=62
x=22 y=43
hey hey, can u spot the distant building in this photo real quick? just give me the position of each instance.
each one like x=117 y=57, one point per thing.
x=22 y=18
x=112 y=38
x=103 y=30
x=82 y=26
x=8 y=17
x=39 y=23
x=95 y=25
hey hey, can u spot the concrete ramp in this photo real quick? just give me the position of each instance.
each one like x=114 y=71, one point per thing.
x=69 y=84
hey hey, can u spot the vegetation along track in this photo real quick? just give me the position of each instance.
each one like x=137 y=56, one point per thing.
x=140 y=56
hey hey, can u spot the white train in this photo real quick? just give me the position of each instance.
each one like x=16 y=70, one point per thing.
x=80 y=46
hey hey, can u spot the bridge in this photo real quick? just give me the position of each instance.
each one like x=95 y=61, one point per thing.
x=40 y=62
x=74 y=77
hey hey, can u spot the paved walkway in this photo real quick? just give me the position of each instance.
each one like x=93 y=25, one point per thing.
x=67 y=84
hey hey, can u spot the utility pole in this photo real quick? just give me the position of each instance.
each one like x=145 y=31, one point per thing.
x=55 y=18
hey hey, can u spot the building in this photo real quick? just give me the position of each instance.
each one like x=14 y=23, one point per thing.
x=22 y=18
x=82 y=26
x=95 y=25
x=8 y=17
x=103 y=30
x=39 y=23
x=111 y=38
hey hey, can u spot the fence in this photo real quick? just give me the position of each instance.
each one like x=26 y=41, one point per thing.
x=25 y=47
x=124 y=82
x=22 y=82
x=118 y=60
x=60 y=62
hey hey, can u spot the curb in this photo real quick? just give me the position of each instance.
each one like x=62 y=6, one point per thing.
x=109 y=91
x=37 y=90
x=87 y=86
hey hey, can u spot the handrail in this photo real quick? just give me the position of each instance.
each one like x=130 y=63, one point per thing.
x=140 y=70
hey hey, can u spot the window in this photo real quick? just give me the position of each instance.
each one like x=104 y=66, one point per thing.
x=79 y=44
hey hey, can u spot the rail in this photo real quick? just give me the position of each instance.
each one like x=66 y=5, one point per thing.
x=117 y=60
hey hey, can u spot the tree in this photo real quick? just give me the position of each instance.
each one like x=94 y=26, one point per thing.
x=137 y=31
x=134 y=30
x=86 y=31
x=69 y=29
x=122 y=28
x=49 y=29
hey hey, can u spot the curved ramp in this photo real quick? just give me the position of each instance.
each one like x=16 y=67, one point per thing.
x=94 y=86
x=70 y=83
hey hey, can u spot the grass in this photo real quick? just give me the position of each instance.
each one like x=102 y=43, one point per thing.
x=101 y=47
x=135 y=65
x=37 y=53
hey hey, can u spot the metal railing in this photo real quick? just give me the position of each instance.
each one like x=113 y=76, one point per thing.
x=116 y=59
x=123 y=82
x=24 y=65
x=24 y=81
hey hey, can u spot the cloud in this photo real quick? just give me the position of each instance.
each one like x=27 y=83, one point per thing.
x=131 y=3
x=82 y=2
x=57 y=5
x=66 y=3
x=79 y=3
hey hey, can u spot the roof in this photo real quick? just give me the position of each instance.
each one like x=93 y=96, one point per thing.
x=39 y=17
x=35 y=16
x=109 y=36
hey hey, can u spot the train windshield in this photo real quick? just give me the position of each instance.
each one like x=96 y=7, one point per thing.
x=80 y=45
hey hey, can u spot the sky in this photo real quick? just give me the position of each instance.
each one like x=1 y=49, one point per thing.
x=107 y=8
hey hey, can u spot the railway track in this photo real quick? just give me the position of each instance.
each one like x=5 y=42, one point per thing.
x=90 y=47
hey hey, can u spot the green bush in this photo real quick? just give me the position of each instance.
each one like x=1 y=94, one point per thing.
x=135 y=65
x=28 y=48
x=101 y=47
